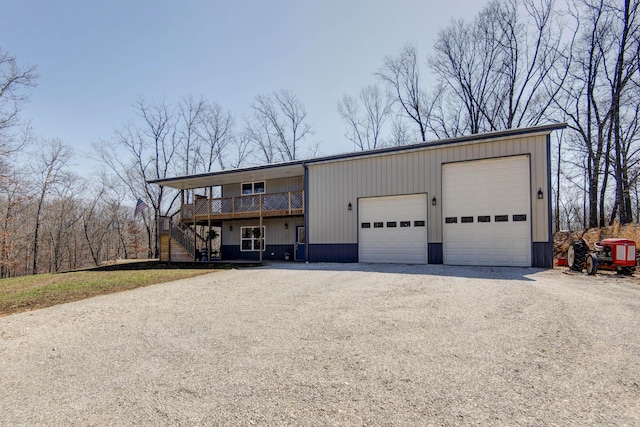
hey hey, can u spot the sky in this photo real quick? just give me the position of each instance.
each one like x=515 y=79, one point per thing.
x=96 y=58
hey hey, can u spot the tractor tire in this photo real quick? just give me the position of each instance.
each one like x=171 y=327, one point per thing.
x=576 y=255
x=591 y=264
x=626 y=271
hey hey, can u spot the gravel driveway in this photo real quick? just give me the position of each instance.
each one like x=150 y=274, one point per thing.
x=330 y=344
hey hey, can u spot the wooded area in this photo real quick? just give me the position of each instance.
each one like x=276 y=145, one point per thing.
x=519 y=63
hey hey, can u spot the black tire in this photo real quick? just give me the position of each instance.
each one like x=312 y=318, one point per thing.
x=576 y=255
x=591 y=264
x=626 y=271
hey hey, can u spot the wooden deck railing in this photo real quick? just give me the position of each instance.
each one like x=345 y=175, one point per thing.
x=270 y=204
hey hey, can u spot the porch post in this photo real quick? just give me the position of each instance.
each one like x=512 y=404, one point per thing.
x=181 y=204
x=195 y=234
x=209 y=223
x=261 y=233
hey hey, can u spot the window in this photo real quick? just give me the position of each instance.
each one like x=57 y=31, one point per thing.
x=466 y=219
x=253 y=188
x=378 y=224
x=451 y=220
x=250 y=238
x=418 y=223
x=392 y=224
x=405 y=223
x=251 y=200
x=521 y=217
x=366 y=225
x=484 y=218
x=501 y=218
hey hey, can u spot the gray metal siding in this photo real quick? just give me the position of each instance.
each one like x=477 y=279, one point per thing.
x=333 y=185
x=281 y=185
x=275 y=232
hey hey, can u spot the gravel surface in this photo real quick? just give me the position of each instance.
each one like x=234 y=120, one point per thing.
x=331 y=344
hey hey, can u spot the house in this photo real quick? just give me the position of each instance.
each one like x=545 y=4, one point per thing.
x=482 y=199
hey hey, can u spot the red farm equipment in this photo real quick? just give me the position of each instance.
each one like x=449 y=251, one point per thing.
x=608 y=254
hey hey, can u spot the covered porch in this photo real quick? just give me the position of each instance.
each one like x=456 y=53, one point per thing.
x=233 y=206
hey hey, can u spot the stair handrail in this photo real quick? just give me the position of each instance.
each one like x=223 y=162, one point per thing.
x=186 y=238
x=182 y=238
x=202 y=242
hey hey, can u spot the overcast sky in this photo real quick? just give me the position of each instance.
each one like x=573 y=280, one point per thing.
x=95 y=58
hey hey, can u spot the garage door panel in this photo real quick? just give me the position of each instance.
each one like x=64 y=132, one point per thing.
x=484 y=258
x=489 y=188
x=393 y=244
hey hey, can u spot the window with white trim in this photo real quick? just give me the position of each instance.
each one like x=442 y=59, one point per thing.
x=257 y=187
x=250 y=238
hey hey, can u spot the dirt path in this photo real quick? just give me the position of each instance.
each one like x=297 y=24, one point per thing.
x=331 y=344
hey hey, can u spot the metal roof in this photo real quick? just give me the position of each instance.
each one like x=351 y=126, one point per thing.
x=296 y=167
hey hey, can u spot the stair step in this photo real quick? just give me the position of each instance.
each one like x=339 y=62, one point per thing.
x=178 y=254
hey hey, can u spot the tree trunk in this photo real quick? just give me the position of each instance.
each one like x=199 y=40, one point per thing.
x=34 y=265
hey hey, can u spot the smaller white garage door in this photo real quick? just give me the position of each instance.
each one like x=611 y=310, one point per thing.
x=393 y=229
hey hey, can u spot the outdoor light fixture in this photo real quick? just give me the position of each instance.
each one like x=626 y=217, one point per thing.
x=286 y=225
x=231 y=228
x=540 y=194
x=349 y=207
x=434 y=201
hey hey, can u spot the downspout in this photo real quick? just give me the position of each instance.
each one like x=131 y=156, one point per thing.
x=306 y=209
x=158 y=240
x=549 y=207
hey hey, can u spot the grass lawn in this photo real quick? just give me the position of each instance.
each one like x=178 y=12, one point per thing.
x=44 y=290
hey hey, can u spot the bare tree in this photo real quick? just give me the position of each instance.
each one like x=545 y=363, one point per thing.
x=215 y=129
x=115 y=211
x=190 y=112
x=365 y=117
x=95 y=224
x=498 y=65
x=599 y=100
x=402 y=75
x=464 y=68
x=14 y=201
x=447 y=118
x=627 y=56
x=240 y=150
x=61 y=214
x=15 y=85
x=580 y=104
x=262 y=140
x=151 y=148
x=278 y=126
x=47 y=170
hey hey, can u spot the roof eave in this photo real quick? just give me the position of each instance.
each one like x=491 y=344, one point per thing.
x=282 y=170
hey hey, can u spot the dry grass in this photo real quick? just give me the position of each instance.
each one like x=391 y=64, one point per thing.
x=563 y=239
x=44 y=290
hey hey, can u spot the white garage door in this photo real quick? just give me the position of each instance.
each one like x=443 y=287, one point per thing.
x=486 y=211
x=393 y=229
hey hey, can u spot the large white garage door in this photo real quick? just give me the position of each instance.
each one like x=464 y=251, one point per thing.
x=393 y=229
x=486 y=212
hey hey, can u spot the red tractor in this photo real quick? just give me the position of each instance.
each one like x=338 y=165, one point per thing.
x=609 y=254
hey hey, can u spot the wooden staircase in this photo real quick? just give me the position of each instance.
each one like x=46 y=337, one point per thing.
x=178 y=253
x=177 y=242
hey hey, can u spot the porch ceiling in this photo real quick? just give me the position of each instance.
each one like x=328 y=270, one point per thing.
x=259 y=173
